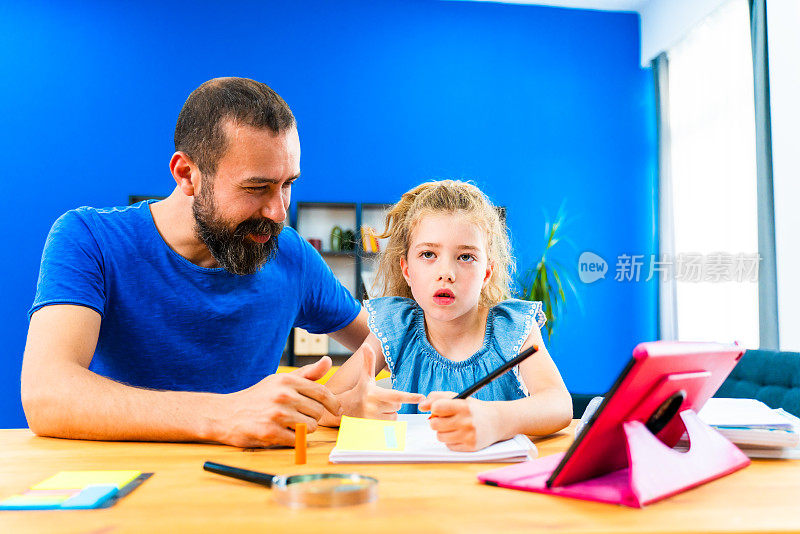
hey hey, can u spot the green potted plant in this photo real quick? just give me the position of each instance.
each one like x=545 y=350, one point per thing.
x=549 y=281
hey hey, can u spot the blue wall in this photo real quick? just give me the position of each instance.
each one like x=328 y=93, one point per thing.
x=538 y=105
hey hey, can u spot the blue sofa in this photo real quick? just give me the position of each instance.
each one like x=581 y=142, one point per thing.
x=771 y=376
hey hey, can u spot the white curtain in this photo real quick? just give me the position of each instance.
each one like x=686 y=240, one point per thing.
x=713 y=174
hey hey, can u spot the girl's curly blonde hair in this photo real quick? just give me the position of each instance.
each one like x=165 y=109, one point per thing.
x=446 y=196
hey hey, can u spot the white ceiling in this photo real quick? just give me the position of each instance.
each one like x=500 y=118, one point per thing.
x=663 y=23
x=603 y=5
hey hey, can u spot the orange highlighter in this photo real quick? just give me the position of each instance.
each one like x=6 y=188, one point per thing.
x=300 y=432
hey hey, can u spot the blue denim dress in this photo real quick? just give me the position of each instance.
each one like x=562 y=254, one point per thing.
x=417 y=367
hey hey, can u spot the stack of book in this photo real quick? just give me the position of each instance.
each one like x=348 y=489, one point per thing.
x=758 y=430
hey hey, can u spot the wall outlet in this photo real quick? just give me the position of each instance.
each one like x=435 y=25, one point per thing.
x=307 y=344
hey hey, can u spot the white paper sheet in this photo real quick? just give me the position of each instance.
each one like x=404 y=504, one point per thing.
x=422 y=446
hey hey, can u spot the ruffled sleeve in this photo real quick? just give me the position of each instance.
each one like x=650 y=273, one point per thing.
x=513 y=322
x=391 y=319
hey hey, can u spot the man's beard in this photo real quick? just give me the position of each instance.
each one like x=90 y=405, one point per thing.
x=233 y=250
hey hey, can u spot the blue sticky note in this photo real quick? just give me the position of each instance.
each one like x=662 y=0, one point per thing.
x=90 y=497
x=391 y=437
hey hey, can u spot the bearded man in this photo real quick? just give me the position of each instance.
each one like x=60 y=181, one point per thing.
x=166 y=321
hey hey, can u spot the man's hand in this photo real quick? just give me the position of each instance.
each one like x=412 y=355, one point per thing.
x=368 y=400
x=265 y=413
x=461 y=424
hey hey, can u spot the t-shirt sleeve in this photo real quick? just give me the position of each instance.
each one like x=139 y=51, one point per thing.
x=71 y=271
x=327 y=306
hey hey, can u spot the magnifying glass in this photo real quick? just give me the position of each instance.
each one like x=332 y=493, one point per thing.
x=313 y=490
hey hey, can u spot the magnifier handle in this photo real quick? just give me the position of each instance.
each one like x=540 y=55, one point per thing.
x=265 y=479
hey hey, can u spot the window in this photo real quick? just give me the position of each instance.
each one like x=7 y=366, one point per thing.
x=784 y=85
x=713 y=174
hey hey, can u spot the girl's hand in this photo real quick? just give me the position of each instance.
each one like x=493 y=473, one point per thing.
x=461 y=424
x=369 y=401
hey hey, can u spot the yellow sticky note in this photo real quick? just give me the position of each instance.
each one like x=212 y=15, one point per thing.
x=356 y=434
x=81 y=479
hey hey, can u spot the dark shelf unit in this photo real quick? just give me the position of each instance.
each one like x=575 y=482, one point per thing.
x=315 y=220
x=347 y=215
x=338 y=254
x=369 y=214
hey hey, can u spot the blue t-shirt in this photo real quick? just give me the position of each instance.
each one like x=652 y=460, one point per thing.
x=170 y=324
x=417 y=367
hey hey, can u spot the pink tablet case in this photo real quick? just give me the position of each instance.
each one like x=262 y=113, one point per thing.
x=656 y=471
x=617 y=459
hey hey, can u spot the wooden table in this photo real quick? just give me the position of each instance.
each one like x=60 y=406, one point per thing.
x=181 y=497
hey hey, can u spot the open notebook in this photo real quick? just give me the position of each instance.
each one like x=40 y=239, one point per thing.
x=411 y=440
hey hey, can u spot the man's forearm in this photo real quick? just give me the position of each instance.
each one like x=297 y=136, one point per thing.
x=72 y=402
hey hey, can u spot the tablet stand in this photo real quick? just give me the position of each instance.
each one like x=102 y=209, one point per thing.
x=654 y=470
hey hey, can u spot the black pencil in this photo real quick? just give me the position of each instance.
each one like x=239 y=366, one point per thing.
x=497 y=372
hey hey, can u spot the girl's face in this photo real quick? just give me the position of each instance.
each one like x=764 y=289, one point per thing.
x=446 y=265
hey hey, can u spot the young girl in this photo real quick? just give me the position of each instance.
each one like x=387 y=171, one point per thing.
x=446 y=321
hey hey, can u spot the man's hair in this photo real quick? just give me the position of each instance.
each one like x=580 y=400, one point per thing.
x=199 y=132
